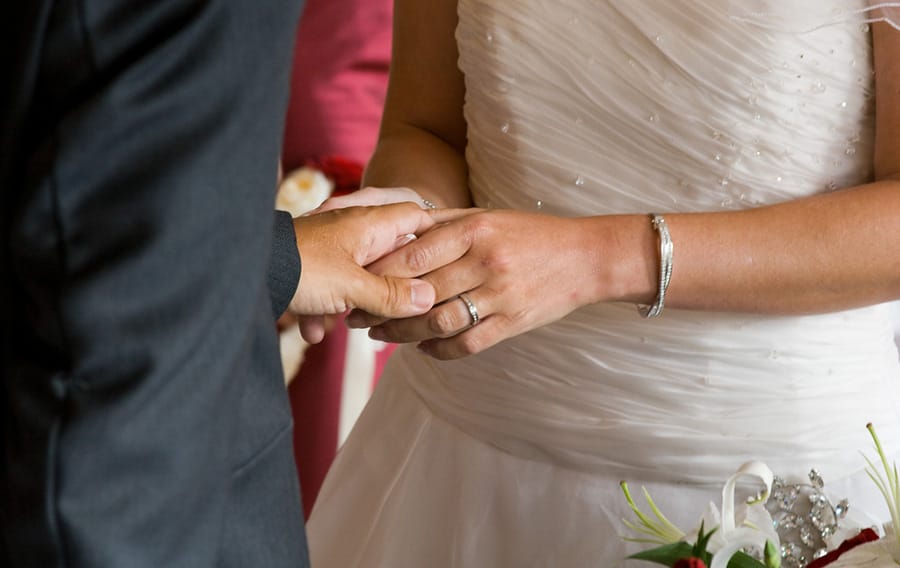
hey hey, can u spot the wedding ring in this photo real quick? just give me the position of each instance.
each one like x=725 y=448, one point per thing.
x=473 y=311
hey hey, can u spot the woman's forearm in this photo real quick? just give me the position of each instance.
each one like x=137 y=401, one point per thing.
x=423 y=131
x=820 y=254
x=407 y=156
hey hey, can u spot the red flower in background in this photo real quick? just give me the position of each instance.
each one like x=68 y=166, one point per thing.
x=689 y=563
x=864 y=536
x=343 y=172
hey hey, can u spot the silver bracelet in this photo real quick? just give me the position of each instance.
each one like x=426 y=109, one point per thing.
x=665 y=267
x=428 y=204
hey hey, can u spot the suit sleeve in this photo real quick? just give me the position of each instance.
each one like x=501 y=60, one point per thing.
x=285 y=264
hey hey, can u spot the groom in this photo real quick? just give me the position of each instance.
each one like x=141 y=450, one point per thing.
x=143 y=418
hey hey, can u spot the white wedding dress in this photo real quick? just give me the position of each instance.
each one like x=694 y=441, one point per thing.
x=513 y=457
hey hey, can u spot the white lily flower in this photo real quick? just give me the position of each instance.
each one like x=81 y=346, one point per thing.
x=739 y=525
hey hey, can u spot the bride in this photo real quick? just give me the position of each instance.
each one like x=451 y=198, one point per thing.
x=762 y=135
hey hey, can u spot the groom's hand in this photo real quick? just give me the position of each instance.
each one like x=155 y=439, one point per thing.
x=335 y=246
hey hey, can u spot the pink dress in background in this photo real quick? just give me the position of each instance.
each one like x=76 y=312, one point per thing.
x=339 y=80
x=337 y=91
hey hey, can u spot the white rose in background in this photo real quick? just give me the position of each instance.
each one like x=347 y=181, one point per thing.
x=303 y=190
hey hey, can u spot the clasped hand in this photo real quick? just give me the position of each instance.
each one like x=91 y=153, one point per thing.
x=334 y=247
x=520 y=271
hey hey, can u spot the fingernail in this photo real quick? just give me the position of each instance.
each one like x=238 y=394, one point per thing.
x=355 y=321
x=422 y=294
x=405 y=239
x=377 y=334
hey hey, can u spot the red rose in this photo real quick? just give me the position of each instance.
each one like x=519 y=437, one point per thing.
x=343 y=172
x=864 y=536
x=689 y=563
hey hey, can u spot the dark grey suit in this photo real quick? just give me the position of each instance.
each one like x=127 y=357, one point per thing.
x=144 y=420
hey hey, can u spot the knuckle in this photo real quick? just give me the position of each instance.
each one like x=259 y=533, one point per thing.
x=498 y=253
x=498 y=261
x=470 y=344
x=443 y=322
x=393 y=297
x=481 y=222
x=479 y=228
x=418 y=259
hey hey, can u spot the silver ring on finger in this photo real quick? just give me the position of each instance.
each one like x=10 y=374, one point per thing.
x=473 y=311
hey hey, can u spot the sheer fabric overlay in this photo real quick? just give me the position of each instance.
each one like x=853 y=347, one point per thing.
x=513 y=456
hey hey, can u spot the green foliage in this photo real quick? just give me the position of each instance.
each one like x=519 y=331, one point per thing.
x=771 y=555
x=668 y=554
x=741 y=560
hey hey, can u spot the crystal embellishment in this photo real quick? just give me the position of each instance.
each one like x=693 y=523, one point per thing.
x=804 y=518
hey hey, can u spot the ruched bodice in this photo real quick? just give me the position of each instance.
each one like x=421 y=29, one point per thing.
x=623 y=106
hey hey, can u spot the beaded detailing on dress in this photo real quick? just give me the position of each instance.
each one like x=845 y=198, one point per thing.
x=627 y=106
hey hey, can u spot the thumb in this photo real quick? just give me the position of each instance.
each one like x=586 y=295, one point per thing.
x=391 y=297
x=312 y=328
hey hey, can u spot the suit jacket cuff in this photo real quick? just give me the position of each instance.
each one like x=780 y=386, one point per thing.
x=284 y=266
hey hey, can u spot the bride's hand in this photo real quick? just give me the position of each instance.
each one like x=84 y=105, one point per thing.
x=369 y=196
x=519 y=271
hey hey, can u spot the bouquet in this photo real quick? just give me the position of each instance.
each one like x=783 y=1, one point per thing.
x=766 y=531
